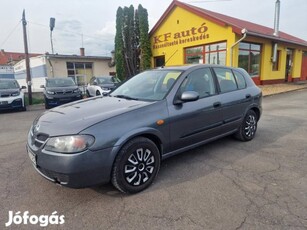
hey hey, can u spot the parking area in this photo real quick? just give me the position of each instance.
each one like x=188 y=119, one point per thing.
x=226 y=184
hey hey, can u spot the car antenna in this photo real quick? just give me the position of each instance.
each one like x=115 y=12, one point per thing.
x=169 y=58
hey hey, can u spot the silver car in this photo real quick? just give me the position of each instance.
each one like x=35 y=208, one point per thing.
x=158 y=113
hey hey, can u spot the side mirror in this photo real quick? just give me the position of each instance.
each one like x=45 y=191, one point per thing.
x=187 y=96
x=23 y=87
x=42 y=86
x=95 y=83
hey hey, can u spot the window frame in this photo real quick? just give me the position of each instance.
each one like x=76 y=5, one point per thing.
x=203 y=52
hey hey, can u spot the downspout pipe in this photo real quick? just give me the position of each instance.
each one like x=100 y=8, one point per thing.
x=276 y=29
x=244 y=32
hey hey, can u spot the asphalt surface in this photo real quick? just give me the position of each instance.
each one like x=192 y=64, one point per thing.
x=226 y=184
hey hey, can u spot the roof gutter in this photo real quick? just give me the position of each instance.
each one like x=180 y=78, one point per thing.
x=244 y=32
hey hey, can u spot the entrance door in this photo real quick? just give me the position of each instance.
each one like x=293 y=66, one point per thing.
x=288 y=71
x=304 y=67
x=159 y=61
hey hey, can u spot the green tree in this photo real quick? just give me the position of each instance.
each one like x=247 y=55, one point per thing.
x=145 y=50
x=119 y=45
x=132 y=45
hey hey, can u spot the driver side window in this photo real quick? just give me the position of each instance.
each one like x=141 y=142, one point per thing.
x=200 y=81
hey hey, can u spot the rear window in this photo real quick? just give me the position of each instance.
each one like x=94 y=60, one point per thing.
x=240 y=79
x=226 y=79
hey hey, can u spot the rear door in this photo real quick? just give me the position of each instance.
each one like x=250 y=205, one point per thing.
x=234 y=97
x=193 y=122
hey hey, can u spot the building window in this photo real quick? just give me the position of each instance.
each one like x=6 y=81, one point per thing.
x=80 y=72
x=209 y=54
x=275 y=66
x=249 y=57
x=216 y=53
x=194 y=55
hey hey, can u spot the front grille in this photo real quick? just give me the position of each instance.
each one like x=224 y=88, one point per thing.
x=64 y=92
x=8 y=94
x=38 y=139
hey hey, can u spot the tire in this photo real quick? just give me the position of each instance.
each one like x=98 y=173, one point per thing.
x=98 y=93
x=46 y=104
x=248 y=128
x=136 y=165
x=88 y=93
x=24 y=108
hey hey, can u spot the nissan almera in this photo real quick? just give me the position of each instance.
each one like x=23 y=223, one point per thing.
x=123 y=137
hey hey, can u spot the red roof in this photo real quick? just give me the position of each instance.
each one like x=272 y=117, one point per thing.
x=12 y=57
x=236 y=24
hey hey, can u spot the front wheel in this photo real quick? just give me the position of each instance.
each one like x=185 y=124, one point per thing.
x=248 y=128
x=136 y=165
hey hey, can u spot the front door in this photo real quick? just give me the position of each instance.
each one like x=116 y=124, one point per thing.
x=196 y=121
x=288 y=74
x=304 y=67
x=159 y=61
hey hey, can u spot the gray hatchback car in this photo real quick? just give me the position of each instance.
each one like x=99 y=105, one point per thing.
x=123 y=137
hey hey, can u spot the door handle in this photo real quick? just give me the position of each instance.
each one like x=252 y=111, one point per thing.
x=217 y=104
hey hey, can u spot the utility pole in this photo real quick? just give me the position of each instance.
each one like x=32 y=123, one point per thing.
x=51 y=25
x=28 y=79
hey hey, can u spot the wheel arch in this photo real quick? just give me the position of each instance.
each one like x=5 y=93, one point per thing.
x=152 y=134
x=257 y=111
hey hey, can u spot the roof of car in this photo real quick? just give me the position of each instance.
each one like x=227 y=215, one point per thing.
x=7 y=79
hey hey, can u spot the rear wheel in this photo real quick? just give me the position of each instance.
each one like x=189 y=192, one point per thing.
x=88 y=93
x=98 y=93
x=248 y=127
x=136 y=165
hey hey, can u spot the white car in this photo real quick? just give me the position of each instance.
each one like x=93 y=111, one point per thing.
x=101 y=85
x=11 y=95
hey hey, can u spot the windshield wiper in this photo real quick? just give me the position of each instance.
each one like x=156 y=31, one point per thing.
x=126 y=97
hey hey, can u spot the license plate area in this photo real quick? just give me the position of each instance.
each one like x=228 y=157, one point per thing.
x=32 y=156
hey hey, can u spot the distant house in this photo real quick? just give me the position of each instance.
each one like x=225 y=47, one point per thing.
x=7 y=62
x=79 y=67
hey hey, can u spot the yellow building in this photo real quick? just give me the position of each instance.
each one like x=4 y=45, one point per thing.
x=186 y=34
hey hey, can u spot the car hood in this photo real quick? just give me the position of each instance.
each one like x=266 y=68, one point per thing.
x=74 y=117
x=8 y=91
x=109 y=85
x=67 y=88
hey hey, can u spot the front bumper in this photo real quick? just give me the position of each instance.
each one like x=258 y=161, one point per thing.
x=77 y=170
x=56 y=101
x=11 y=102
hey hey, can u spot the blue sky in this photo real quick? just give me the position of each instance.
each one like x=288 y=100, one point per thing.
x=91 y=23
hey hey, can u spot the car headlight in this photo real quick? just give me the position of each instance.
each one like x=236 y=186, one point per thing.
x=69 y=144
x=50 y=92
x=15 y=94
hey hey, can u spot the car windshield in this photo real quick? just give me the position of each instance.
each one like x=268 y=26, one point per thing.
x=108 y=80
x=60 y=82
x=149 y=85
x=8 y=84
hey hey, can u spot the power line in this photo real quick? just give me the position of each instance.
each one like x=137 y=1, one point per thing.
x=7 y=38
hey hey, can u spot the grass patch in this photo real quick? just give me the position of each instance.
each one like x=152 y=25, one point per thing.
x=35 y=100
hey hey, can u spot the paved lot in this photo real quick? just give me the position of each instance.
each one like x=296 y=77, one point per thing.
x=227 y=184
